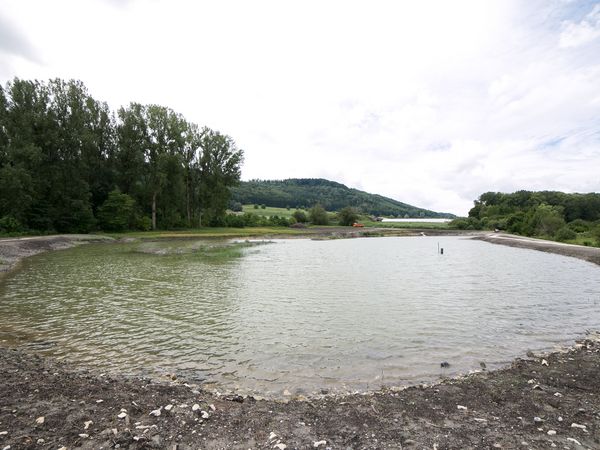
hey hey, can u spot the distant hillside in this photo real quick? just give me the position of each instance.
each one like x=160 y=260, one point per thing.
x=306 y=192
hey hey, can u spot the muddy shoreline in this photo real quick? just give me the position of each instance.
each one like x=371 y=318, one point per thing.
x=541 y=402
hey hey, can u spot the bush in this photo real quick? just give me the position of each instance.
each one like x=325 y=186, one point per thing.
x=143 y=223
x=117 y=212
x=263 y=206
x=347 y=216
x=318 y=215
x=565 y=234
x=8 y=224
x=596 y=234
x=300 y=216
x=255 y=206
x=579 y=226
x=235 y=206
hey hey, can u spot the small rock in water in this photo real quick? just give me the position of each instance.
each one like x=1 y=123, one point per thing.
x=3 y=433
x=272 y=436
x=169 y=407
x=551 y=432
x=204 y=414
x=84 y=435
x=280 y=446
x=211 y=406
x=195 y=407
x=122 y=415
x=482 y=365
x=87 y=424
x=40 y=420
x=574 y=441
x=538 y=419
x=445 y=365
x=544 y=362
x=581 y=427
x=319 y=443
x=464 y=408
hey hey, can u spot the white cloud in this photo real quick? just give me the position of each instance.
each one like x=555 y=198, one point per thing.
x=431 y=103
x=575 y=34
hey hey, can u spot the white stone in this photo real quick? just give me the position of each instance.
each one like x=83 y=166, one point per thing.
x=551 y=432
x=84 y=435
x=538 y=419
x=3 y=433
x=557 y=394
x=169 y=407
x=582 y=427
x=204 y=414
x=156 y=412
x=280 y=446
x=560 y=419
x=40 y=420
x=319 y=443
x=575 y=441
x=99 y=401
x=195 y=407
x=272 y=436
x=544 y=362
x=464 y=408
x=122 y=415
x=87 y=424
x=40 y=441
x=211 y=406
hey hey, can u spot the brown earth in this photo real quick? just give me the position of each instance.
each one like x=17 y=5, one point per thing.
x=528 y=405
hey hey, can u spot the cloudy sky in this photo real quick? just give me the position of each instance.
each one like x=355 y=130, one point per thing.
x=428 y=102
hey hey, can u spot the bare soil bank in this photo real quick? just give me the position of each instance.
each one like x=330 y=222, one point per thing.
x=591 y=254
x=530 y=405
x=13 y=250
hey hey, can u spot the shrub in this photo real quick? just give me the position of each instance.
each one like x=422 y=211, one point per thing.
x=565 y=234
x=318 y=215
x=255 y=206
x=117 y=212
x=347 y=216
x=8 y=224
x=143 y=223
x=300 y=216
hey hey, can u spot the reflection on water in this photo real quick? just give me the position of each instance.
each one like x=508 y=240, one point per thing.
x=299 y=315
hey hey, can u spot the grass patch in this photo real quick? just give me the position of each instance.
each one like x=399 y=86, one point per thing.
x=210 y=233
x=270 y=211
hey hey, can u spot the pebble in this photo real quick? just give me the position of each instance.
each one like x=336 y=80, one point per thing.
x=169 y=407
x=574 y=441
x=195 y=407
x=557 y=394
x=87 y=424
x=62 y=448
x=3 y=433
x=576 y=425
x=537 y=419
x=280 y=446
x=551 y=432
x=40 y=441
x=560 y=419
x=319 y=443
x=156 y=412
x=544 y=362
x=204 y=414
x=99 y=401
x=464 y=408
x=272 y=436
x=479 y=420
x=8 y=448
x=84 y=435
x=287 y=393
x=122 y=415
x=211 y=406
x=40 y=420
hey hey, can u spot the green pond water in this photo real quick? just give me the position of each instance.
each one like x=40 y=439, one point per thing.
x=297 y=315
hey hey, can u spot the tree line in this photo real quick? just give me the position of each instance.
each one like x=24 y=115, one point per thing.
x=548 y=214
x=70 y=164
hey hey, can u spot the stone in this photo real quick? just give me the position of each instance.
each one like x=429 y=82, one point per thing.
x=156 y=412
x=272 y=436
x=195 y=407
x=574 y=441
x=551 y=432
x=3 y=433
x=122 y=415
x=204 y=414
x=40 y=420
x=544 y=362
x=280 y=446
x=581 y=427
x=211 y=406
x=169 y=407
x=464 y=408
x=538 y=419
x=87 y=424
x=317 y=444
x=84 y=435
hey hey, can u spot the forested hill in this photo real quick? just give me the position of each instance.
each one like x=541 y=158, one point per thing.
x=306 y=192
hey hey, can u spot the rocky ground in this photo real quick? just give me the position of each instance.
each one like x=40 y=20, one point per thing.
x=545 y=401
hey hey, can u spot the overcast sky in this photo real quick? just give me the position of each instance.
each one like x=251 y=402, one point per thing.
x=431 y=103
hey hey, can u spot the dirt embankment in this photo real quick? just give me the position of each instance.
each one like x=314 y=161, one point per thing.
x=591 y=254
x=542 y=402
x=13 y=250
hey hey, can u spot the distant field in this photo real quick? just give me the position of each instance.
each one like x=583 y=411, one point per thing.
x=426 y=225
x=270 y=211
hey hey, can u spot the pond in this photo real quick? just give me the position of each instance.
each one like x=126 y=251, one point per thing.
x=297 y=315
